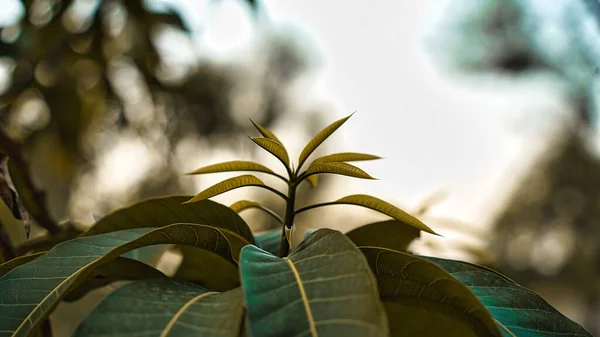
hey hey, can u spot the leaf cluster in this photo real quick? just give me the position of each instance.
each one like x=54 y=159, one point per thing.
x=232 y=283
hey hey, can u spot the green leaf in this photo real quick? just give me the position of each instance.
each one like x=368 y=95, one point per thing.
x=31 y=291
x=421 y=299
x=338 y=168
x=163 y=211
x=275 y=148
x=318 y=139
x=165 y=307
x=120 y=269
x=248 y=204
x=323 y=288
x=392 y=234
x=517 y=310
x=117 y=270
x=227 y=185
x=193 y=268
x=269 y=241
x=385 y=208
x=244 y=204
x=266 y=132
x=313 y=180
x=344 y=157
x=17 y=261
x=232 y=166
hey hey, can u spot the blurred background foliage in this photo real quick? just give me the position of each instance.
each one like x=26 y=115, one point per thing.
x=112 y=101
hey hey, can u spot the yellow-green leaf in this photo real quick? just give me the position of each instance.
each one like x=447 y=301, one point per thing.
x=338 y=168
x=244 y=204
x=232 y=166
x=313 y=180
x=227 y=185
x=266 y=132
x=385 y=208
x=345 y=157
x=275 y=148
x=318 y=139
x=247 y=204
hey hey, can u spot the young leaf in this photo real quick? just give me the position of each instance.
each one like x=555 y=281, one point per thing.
x=163 y=211
x=185 y=309
x=233 y=166
x=338 y=168
x=266 y=132
x=313 y=180
x=422 y=299
x=318 y=139
x=231 y=184
x=31 y=291
x=345 y=157
x=517 y=310
x=324 y=287
x=391 y=234
x=376 y=205
x=275 y=148
x=247 y=204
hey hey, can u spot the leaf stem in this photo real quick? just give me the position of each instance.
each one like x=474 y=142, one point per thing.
x=309 y=207
x=268 y=211
x=288 y=220
x=274 y=191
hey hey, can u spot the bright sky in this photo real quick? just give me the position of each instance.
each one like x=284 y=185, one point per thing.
x=436 y=132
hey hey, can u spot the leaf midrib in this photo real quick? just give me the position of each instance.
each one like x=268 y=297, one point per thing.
x=309 y=316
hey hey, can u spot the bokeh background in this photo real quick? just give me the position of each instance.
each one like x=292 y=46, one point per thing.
x=485 y=110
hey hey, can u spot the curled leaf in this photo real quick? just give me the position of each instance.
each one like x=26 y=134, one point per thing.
x=319 y=138
x=338 y=168
x=275 y=148
x=232 y=166
x=227 y=185
x=344 y=157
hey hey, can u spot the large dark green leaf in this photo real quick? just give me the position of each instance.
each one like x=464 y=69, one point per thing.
x=323 y=288
x=31 y=291
x=165 y=307
x=517 y=310
x=392 y=234
x=158 y=212
x=422 y=299
x=269 y=241
x=117 y=270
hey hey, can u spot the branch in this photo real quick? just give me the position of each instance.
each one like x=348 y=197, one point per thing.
x=37 y=208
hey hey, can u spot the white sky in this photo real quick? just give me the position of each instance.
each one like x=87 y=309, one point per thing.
x=435 y=132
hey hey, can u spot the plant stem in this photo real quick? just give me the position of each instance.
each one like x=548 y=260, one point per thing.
x=288 y=220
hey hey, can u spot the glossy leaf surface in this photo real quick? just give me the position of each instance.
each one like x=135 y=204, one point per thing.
x=158 y=212
x=517 y=310
x=422 y=299
x=323 y=288
x=165 y=307
x=31 y=291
